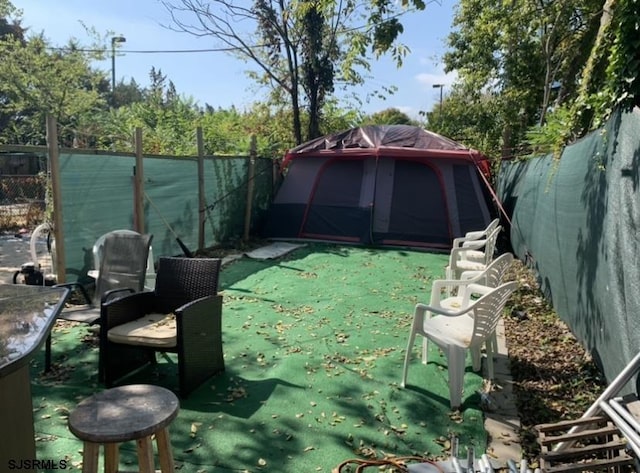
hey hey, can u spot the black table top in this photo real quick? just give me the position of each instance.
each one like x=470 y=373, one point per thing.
x=27 y=314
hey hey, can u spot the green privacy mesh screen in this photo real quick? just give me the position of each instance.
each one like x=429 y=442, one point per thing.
x=575 y=221
x=97 y=197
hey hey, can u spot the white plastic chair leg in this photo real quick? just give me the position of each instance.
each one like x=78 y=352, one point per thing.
x=491 y=345
x=425 y=350
x=456 y=361
x=407 y=356
x=476 y=357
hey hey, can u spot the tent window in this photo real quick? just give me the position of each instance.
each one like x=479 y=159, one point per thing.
x=339 y=184
x=469 y=200
x=418 y=208
x=334 y=211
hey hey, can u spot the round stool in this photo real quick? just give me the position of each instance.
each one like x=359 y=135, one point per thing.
x=134 y=412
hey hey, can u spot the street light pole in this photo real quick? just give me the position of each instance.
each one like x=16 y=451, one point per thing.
x=114 y=40
x=439 y=86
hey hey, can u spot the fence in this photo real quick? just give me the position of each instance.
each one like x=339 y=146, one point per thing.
x=22 y=201
x=576 y=221
x=205 y=201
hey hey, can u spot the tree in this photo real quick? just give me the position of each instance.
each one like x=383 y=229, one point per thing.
x=9 y=28
x=516 y=53
x=10 y=21
x=125 y=94
x=36 y=82
x=390 y=116
x=300 y=48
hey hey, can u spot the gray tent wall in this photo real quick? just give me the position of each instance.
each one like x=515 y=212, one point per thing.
x=384 y=201
x=381 y=196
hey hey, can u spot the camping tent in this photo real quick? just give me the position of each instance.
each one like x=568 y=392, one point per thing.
x=395 y=185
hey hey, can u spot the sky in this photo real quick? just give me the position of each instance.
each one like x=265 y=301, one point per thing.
x=218 y=79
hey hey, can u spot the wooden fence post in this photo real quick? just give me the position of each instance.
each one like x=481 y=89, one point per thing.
x=250 y=187
x=138 y=185
x=201 y=200
x=56 y=194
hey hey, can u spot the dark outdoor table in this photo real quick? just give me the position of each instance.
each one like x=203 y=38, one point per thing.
x=27 y=314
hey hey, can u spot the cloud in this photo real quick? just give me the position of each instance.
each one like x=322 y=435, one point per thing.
x=427 y=80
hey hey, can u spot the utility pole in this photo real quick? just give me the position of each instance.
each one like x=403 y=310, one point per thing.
x=439 y=86
x=114 y=40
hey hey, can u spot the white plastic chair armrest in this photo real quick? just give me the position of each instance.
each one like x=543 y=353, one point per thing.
x=421 y=309
x=461 y=241
x=474 y=244
x=475 y=235
x=472 y=277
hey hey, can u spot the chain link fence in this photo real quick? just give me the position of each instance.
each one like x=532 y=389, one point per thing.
x=22 y=201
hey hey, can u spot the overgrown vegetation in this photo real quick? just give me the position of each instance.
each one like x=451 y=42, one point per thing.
x=538 y=69
x=531 y=76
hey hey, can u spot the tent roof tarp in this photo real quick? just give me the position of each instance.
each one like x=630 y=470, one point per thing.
x=402 y=140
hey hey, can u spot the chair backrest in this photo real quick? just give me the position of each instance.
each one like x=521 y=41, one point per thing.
x=98 y=246
x=45 y=261
x=475 y=235
x=180 y=280
x=487 y=311
x=98 y=250
x=492 y=225
x=490 y=245
x=123 y=263
x=494 y=274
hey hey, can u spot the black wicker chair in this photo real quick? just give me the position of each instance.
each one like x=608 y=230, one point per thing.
x=182 y=315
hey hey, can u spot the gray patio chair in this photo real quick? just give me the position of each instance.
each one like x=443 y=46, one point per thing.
x=98 y=251
x=122 y=270
x=183 y=315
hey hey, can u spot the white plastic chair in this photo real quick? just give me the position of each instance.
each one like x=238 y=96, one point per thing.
x=455 y=332
x=150 y=278
x=42 y=247
x=471 y=258
x=475 y=238
x=448 y=293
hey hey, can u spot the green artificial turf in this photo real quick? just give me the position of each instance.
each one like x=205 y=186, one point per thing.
x=314 y=344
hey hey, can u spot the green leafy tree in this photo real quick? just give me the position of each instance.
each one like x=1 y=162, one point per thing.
x=301 y=49
x=390 y=116
x=125 y=94
x=35 y=82
x=473 y=122
x=517 y=55
x=612 y=72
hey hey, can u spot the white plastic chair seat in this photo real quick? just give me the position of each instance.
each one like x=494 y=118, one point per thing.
x=453 y=303
x=470 y=265
x=445 y=330
x=475 y=255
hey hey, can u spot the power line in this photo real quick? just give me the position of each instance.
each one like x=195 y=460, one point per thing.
x=152 y=51
x=216 y=50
